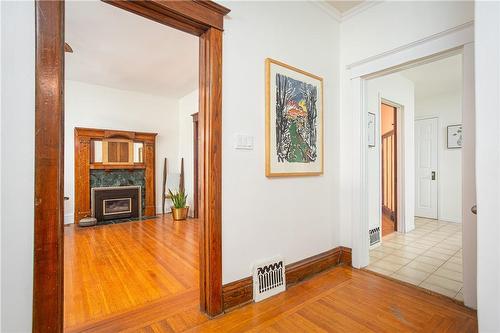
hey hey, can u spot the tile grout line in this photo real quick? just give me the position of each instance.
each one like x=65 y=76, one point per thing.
x=429 y=232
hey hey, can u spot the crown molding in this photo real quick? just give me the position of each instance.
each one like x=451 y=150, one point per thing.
x=365 y=5
x=328 y=9
x=337 y=15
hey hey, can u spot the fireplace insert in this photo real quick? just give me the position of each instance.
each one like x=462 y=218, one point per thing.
x=113 y=203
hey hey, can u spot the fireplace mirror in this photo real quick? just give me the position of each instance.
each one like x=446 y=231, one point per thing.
x=96 y=151
x=116 y=151
x=138 y=152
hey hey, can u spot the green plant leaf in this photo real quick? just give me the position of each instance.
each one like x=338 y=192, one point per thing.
x=178 y=198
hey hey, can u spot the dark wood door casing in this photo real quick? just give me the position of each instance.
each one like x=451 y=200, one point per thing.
x=196 y=188
x=202 y=18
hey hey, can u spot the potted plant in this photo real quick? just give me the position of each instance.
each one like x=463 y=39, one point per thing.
x=179 y=208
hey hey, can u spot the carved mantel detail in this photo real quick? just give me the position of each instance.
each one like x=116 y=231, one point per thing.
x=83 y=165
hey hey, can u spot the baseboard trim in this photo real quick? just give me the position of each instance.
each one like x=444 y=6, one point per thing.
x=238 y=293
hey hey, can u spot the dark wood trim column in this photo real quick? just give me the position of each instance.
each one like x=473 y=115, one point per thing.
x=196 y=188
x=210 y=120
x=49 y=168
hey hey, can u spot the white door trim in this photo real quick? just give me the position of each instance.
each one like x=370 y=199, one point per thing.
x=469 y=220
x=457 y=40
x=419 y=52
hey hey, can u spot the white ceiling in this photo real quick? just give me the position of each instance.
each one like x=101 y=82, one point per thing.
x=118 y=49
x=438 y=77
x=343 y=6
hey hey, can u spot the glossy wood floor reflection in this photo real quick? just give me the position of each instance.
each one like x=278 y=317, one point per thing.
x=387 y=225
x=340 y=300
x=116 y=268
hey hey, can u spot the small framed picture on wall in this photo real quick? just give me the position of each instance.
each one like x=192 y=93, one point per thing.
x=455 y=137
x=371 y=129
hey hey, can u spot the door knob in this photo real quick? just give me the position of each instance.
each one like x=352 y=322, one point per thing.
x=433 y=175
x=473 y=209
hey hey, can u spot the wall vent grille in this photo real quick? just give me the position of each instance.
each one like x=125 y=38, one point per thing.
x=374 y=236
x=268 y=279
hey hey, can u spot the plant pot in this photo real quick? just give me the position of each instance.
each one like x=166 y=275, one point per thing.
x=179 y=214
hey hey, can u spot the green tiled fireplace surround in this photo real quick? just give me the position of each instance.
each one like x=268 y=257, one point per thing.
x=120 y=177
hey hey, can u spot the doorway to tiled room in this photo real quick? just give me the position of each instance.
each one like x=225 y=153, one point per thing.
x=426 y=249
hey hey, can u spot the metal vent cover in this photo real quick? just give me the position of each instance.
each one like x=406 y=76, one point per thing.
x=374 y=236
x=268 y=278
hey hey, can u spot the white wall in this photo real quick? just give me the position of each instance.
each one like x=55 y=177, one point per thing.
x=17 y=168
x=487 y=53
x=448 y=109
x=88 y=105
x=400 y=90
x=251 y=203
x=187 y=106
x=263 y=217
x=376 y=30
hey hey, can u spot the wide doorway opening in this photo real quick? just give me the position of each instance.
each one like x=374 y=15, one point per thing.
x=131 y=236
x=420 y=158
x=122 y=194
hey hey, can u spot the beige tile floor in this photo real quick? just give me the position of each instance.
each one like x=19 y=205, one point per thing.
x=429 y=256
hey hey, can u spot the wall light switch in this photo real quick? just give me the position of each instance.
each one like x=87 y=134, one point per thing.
x=244 y=142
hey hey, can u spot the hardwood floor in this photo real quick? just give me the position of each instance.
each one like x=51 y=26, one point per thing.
x=115 y=268
x=340 y=300
x=387 y=225
x=121 y=286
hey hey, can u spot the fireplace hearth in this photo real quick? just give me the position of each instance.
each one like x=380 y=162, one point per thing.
x=117 y=202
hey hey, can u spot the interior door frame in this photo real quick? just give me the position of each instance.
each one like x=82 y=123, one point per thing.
x=198 y=17
x=196 y=185
x=458 y=40
x=397 y=163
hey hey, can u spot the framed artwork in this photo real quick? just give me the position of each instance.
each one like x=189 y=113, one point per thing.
x=371 y=129
x=455 y=136
x=294 y=121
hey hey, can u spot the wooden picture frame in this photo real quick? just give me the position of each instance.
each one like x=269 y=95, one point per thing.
x=454 y=136
x=372 y=129
x=294 y=121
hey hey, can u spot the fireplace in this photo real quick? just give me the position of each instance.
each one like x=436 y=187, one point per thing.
x=117 y=202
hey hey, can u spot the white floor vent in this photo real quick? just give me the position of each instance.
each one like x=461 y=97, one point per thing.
x=268 y=279
x=374 y=236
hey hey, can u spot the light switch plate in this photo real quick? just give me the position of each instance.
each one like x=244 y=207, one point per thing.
x=242 y=141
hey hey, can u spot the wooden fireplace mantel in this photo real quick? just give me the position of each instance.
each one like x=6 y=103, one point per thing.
x=83 y=165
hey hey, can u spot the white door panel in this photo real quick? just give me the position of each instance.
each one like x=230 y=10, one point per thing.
x=426 y=136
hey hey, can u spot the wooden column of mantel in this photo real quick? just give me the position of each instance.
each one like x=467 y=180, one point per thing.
x=83 y=137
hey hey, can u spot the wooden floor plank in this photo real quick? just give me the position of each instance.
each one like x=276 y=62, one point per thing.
x=113 y=268
x=155 y=263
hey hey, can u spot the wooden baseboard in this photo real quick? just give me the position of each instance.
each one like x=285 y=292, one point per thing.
x=237 y=293
x=240 y=292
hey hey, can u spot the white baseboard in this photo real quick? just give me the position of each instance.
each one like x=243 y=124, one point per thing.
x=69 y=219
x=449 y=219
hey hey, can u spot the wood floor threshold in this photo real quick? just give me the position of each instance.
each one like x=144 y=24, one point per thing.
x=140 y=316
x=427 y=291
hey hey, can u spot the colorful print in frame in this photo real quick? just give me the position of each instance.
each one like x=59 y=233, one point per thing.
x=294 y=121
